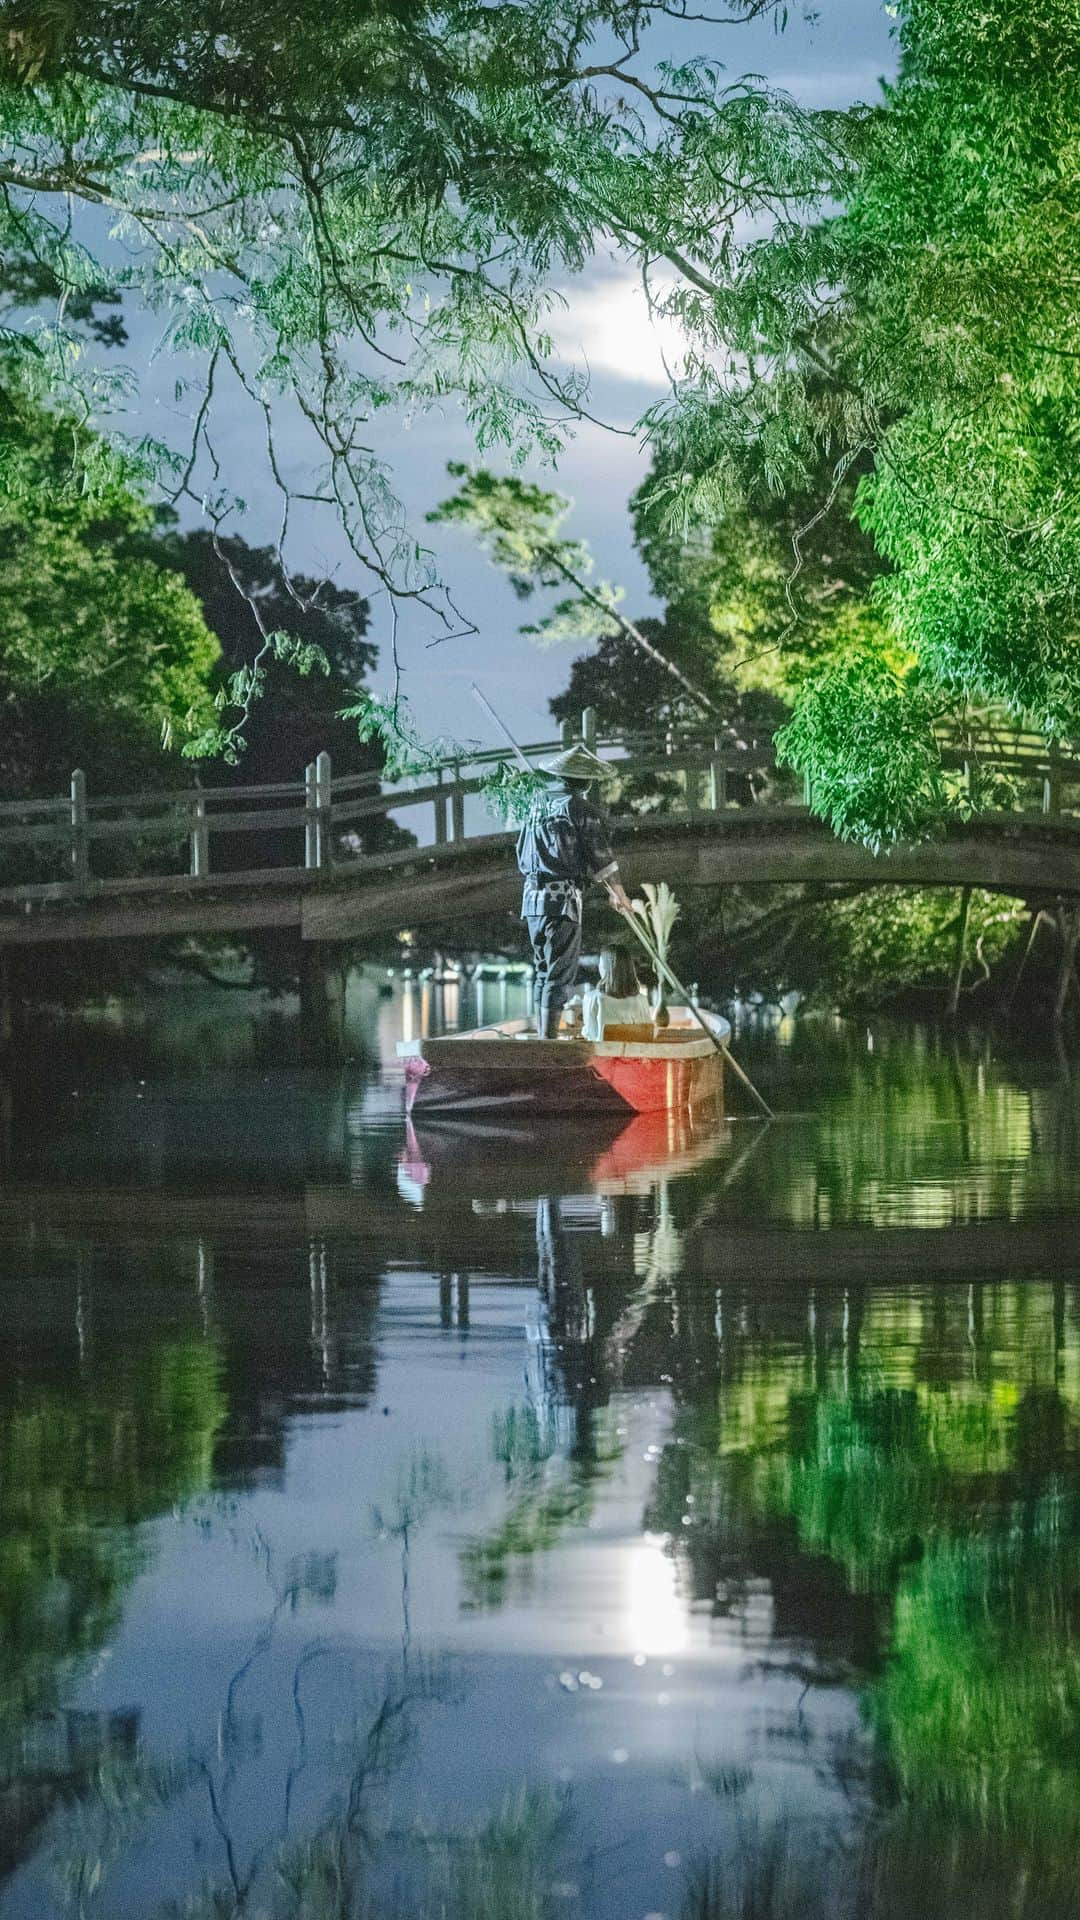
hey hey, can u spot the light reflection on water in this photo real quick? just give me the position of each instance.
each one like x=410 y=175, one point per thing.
x=714 y=1488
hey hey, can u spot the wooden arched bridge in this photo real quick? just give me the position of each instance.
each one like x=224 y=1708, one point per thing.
x=165 y=864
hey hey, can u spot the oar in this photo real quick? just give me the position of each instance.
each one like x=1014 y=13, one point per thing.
x=660 y=965
x=503 y=728
x=663 y=969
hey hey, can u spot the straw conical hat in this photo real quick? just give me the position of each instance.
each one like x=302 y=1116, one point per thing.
x=574 y=763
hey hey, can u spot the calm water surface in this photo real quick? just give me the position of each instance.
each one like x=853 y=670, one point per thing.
x=652 y=1522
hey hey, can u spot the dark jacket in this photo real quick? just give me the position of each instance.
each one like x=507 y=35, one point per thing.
x=563 y=844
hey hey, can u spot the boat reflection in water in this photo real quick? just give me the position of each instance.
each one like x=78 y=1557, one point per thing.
x=598 y=1207
x=497 y=1164
x=616 y=1184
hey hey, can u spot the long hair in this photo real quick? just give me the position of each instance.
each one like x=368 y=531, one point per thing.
x=618 y=974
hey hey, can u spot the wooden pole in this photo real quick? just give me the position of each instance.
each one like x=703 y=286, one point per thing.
x=440 y=812
x=322 y=999
x=324 y=839
x=80 y=843
x=200 y=839
x=1069 y=928
x=1036 y=922
x=6 y=1014
x=961 y=952
x=311 y=817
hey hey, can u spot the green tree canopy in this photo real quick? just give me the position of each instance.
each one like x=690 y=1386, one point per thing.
x=342 y=210
x=316 y=624
x=101 y=645
x=931 y=328
x=775 y=588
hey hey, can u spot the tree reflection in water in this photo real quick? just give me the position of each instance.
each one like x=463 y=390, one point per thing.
x=912 y=1464
x=79 y=1468
x=869 y=1490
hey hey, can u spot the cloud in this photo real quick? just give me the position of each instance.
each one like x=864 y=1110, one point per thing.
x=607 y=324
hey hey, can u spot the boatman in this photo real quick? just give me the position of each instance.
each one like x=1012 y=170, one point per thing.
x=563 y=845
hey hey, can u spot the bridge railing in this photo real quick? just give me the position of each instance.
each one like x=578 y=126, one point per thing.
x=78 y=833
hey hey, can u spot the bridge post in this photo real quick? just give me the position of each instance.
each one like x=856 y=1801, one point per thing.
x=318 y=835
x=1052 y=789
x=323 y=972
x=200 y=840
x=80 y=840
x=566 y=733
x=311 y=817
x=717 y=784
x=457 y=806
x=324 y=789
x=1068 y=921
x=441 y=835
x=588 y=729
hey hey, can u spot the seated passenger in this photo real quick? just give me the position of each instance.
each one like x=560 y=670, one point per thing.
x=618 y=1000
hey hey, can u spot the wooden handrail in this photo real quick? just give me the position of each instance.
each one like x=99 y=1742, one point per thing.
x=686 y=747
x=320 y=806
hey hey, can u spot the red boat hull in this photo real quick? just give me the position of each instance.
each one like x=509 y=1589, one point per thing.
x=600 y=1085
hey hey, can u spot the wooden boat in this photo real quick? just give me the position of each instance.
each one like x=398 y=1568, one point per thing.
x=505 y=1068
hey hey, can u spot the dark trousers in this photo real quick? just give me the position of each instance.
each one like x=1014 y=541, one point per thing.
x=556 y=950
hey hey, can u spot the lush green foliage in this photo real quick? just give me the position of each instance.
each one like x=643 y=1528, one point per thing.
x=93 y=623
x=850 y=948
x=944 y=1492
x=960 y=247
x=511 y=790
x=878 y=947
x=930 y=327
x=866 y=737
x=79 y=1469
x=342 y=210
x=774 y=589
x=316 y=657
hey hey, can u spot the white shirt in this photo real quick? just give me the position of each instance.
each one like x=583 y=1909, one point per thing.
x=600 y=1010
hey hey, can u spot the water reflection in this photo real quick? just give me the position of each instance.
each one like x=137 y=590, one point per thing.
x=499 y=1523
x=92 y=1444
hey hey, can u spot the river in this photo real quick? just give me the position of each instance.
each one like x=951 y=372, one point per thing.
x=603 y=1523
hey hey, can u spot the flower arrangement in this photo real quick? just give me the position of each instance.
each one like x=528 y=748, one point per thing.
x=659 y=910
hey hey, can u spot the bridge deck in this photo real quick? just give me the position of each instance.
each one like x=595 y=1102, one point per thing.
x=740 y=823
x=1014 y=853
